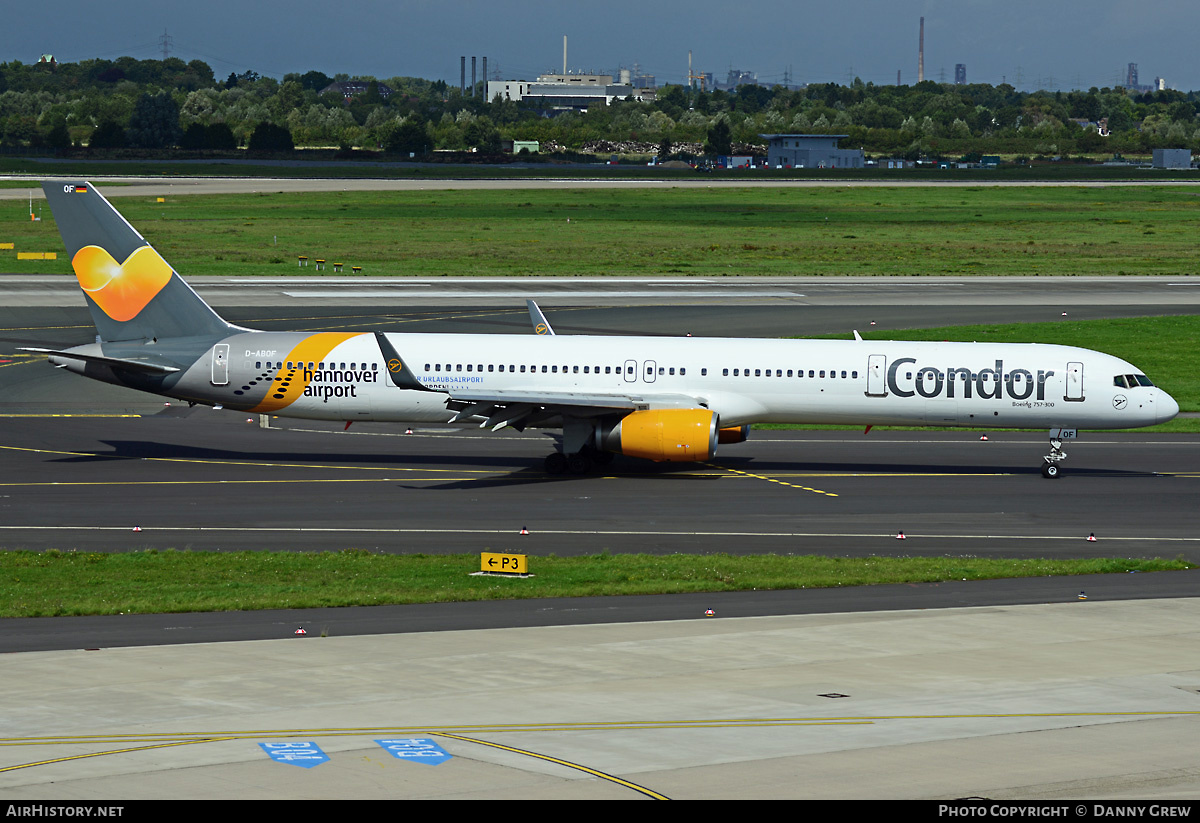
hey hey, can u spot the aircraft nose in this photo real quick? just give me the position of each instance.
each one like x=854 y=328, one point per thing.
x=1166 y=407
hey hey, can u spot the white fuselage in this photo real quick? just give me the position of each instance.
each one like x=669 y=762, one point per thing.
x=991 y=385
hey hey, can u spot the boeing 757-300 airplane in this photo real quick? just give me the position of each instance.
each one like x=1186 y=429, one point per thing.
x=659 y=398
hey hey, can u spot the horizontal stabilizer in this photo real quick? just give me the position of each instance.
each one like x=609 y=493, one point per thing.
x=116 y=362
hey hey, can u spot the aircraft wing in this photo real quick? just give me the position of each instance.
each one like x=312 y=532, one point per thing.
x=524 y=408
x=143 y=365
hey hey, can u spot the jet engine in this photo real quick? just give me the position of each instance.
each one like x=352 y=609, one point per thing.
x=734 y=434
x=663 y=435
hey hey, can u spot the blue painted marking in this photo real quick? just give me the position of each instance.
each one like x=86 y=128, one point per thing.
x=416 y=749
x=306 y=754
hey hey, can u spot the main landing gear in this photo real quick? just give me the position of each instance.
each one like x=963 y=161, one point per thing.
x=580 y=462
x=1050 y=467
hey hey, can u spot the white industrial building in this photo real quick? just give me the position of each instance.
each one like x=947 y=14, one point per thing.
x=563 y=91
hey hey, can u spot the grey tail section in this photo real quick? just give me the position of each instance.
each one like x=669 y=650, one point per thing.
x=84 y=219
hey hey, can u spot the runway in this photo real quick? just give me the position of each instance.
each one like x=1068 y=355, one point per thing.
x=217 y=481
x=1013 y=690
x=136 y=186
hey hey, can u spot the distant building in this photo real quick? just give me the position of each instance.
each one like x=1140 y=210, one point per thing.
x=1172 y=159
x=352 y=88
x=811 y=151
x=737 y=77
x=564 y=92
x=960 y=74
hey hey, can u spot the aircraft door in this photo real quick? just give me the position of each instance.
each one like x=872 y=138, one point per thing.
x=649 y=366
x=1074 y=382
x=630 y=371
x=220 y=364
x=877 y=375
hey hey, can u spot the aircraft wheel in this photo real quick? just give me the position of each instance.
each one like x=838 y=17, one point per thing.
x=1050 y=470
x=556 y=463
x=579 y=463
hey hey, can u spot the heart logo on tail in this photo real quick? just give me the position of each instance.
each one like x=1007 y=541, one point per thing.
x=121 y=290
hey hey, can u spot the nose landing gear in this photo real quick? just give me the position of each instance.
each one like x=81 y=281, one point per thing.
x=1050 y=467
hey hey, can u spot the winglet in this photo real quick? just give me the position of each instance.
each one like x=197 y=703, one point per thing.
x=857 y=336
x=540 y=324
x=401 y=377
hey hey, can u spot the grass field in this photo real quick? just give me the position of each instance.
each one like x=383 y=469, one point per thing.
x=55 y=583
x=723 y=232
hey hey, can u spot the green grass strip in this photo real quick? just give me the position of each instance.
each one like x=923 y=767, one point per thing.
x=55 y=583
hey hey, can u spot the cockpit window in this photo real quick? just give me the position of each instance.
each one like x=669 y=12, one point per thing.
x=1143 y=380
x=1119 y=381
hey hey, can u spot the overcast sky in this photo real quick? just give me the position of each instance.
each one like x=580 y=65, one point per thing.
x=1028 y=43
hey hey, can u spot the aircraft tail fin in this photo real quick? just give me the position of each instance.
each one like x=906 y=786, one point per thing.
x=133 y=294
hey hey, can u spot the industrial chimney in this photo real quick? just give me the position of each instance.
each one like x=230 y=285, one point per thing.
x=921 y=54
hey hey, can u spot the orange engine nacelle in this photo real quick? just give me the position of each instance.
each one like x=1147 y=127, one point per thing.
x=663 y=435
x=734 y=434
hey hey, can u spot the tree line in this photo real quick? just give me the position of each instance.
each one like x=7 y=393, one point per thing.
x=165 y=104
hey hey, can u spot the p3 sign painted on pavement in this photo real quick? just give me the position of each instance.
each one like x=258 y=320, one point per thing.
x=417 y=749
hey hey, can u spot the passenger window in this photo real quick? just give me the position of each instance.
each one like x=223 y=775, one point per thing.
x=426 y=367
x=458 y=367
x=491 y=367
x=437 y=367
x=522 y=369
x=258 y=364
x=682 y=370
x=789 y=374
x=854 y=375
x=468 y=367
x=661 y=370
x=671 y=370
x=843 y=374
x=810 y=372
x=823 y=373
